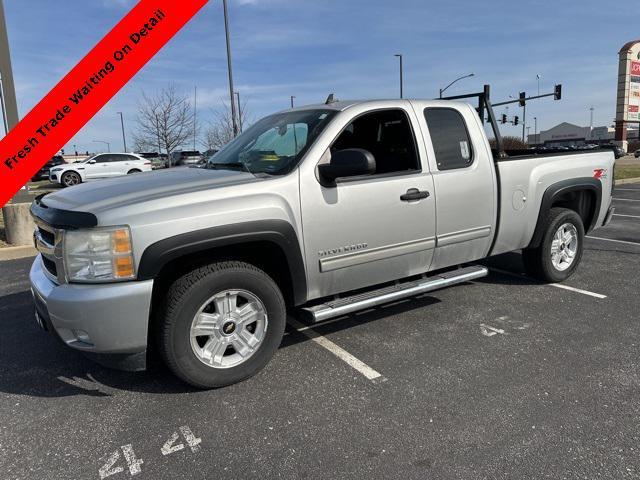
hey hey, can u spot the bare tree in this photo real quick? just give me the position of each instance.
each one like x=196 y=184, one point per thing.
x=165 y=120
x=220 y=131
x=142 y=144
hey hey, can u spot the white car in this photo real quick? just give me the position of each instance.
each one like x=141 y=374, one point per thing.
x=102 y=165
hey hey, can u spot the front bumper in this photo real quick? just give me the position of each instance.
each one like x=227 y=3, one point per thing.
x=110 y=318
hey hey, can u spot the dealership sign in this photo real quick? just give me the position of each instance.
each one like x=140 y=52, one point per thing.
x=628 y=109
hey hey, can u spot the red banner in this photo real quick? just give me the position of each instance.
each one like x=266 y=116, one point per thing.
x=88 y=87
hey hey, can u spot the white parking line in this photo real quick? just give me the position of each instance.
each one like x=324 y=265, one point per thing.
x=627 y=190
x=556 y=285
x=339 y=352
x=577 y=290
x=612 y=240
x=626 y=200
x=622 y=215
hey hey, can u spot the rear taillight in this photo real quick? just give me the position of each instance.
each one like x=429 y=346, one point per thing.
x=147 y=163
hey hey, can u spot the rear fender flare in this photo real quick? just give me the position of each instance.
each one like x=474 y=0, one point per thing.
x=555 y=191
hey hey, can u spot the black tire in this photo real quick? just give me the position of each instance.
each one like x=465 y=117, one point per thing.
x=188 y=293
x=134 y=170
x=69 y=179
x=537 y=261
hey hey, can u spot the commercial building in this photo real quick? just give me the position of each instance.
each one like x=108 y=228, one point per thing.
x=567 y=134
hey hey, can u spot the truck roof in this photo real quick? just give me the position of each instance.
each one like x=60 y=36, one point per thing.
x=342 y=105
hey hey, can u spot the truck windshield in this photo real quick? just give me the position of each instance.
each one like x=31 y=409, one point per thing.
x=273 y=145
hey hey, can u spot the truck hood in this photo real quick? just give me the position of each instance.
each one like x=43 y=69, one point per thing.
x=96 y=196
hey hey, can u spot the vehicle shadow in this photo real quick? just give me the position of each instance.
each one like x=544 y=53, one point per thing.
x=33 y=363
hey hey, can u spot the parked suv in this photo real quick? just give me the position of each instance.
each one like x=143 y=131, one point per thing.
x=637 y=153
x=326 y=209
x=186 y=157
x=43 y=173
x=102 y=165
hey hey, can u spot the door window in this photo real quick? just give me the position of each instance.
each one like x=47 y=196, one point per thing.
x=388 y=135
x=449 y=137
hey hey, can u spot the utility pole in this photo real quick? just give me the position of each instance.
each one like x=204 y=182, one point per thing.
x=124 y=139
x=401 y=74
x=535 y=129
x=239 y=112
x=7 y=88
x=229 y=68
x=292 y=97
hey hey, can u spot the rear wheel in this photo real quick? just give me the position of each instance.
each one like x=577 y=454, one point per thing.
x=560 y=250
x=69 y=179
x=133 y=170
x=221 y=324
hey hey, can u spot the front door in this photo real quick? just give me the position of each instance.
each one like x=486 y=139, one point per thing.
x=370 y=229
x=98 y=167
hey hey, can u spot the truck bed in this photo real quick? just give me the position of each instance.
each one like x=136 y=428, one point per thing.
x=523 y=180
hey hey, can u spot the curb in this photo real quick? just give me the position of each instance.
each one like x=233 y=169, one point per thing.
x=625 y=181
x=13 y=253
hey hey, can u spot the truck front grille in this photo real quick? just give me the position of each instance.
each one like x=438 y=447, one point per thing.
x=50 y=266
x=45 y=242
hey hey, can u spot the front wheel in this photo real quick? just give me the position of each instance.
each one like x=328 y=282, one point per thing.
x=69 y=179
x=221 y=324
x=560 y=251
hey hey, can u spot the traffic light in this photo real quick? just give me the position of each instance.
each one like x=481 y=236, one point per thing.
x=557 y=92
x=523 y=97
x=516 y=119
x=504 y=118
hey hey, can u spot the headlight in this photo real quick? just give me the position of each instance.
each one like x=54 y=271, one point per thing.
x=98 y=255
x=56 y=169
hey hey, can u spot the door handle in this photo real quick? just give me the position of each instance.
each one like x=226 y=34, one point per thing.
x=414 y=194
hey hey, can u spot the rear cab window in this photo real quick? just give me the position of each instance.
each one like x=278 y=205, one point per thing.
x=450 y=138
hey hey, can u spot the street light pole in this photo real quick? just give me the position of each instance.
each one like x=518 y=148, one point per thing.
x=442 y=90
x=292 y=97
x=535 y=129
x=106 y=143
x=239 y=112
x=229 y=68
x=124 y=138
x=401 y=75
x=538 y=78
x=10 y=106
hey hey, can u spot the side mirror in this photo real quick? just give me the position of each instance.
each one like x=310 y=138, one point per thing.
x=347 y=163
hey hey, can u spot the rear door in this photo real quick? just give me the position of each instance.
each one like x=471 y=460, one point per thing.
x=365 y=230
x=464 y=182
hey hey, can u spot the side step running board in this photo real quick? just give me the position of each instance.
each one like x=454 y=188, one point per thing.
x=370 y=299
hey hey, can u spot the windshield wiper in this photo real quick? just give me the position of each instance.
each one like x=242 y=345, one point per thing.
x=228 y=165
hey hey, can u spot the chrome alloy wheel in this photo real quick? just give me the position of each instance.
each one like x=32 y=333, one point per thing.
x=228 y=328
x=70 y=179
x=564 y=246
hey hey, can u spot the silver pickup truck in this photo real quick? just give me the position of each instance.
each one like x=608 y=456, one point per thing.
x=322 y=210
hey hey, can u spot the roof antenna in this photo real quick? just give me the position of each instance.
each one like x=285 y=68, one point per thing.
x=330 y=99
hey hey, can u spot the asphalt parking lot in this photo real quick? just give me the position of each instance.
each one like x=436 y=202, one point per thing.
x=501 y=378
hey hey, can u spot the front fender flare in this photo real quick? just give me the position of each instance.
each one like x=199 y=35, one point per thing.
x=279 y=232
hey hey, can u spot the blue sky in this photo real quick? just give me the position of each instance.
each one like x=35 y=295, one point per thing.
x=309 y=48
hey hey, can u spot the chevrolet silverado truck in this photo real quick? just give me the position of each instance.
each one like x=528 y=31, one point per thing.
x=321 y=210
